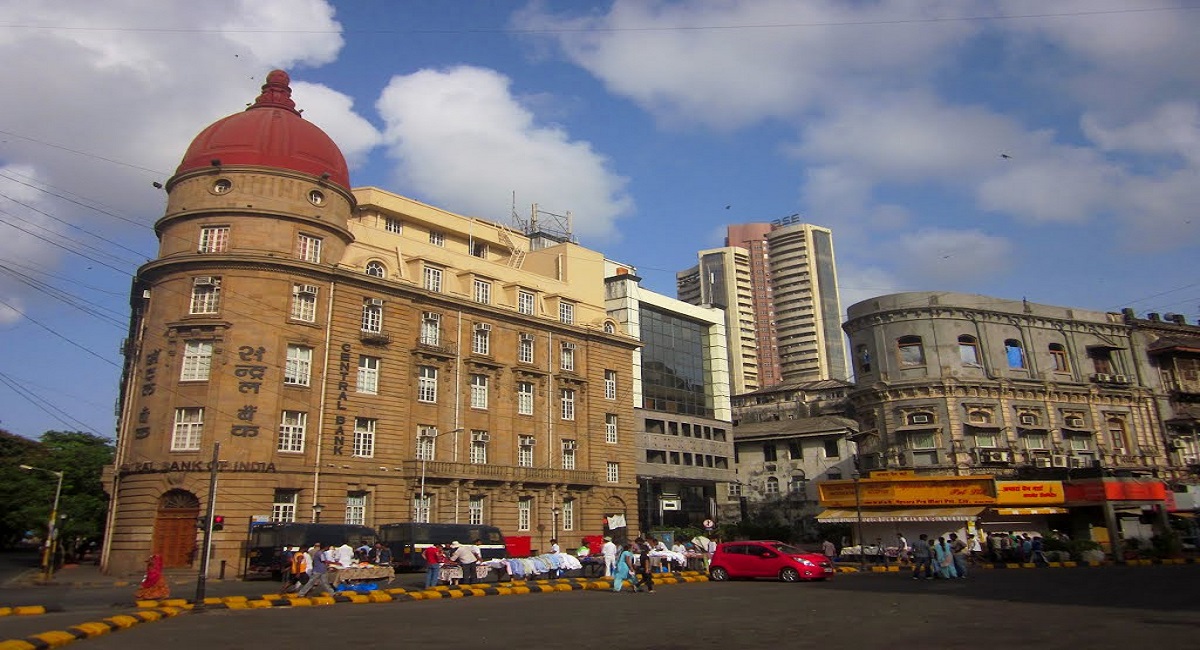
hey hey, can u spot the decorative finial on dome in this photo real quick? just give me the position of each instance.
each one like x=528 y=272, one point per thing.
x=276 y=93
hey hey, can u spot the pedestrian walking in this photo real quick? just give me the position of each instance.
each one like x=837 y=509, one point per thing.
x=921 y=556
x=297 y=570
x=958 y=554
x=624 y=570
x=318 y=573
x=645 y=571
x=828 y=548
x=153 y=585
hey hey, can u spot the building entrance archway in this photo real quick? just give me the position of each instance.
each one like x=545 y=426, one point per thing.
x=175 y=528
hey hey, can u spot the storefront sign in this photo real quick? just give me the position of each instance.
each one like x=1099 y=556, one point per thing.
x=873 y=492
x=1018 y=493
x=1101 y=490
x=893 y=473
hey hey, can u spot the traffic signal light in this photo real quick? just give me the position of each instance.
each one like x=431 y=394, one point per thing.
x=218 y=522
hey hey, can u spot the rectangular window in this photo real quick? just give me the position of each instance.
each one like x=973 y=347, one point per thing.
x=291 y=431
x=567 y=357
x=985 y=438
x=214 y=239
x=206 y=295
x=426 y=442
x=912 y=351
x=481 y=339
x=298 y=369
x=421 y=508
x=368 y=375
x=566 y=312
x=525 y=348
x=433 y=279
x=524 y=513
x=568 y=514
x=1036 y=441
x=568 y=454
x=479 y=447
x=483 y=291
x=431 y=328
x=475 y=510
x=525 y=451
x=610 y=384
x=372 y=316
x=356 y=508
x=524 y=398
x=734 y=489
x=567 y=401
x=308 y=248
x=922 y=440
x=437 y=238
x=283 y=507
x=364 y=437
x=1014 y=354
x=795 y=451
x=1080 y=443
x=610 y=428
x=189 y=424
x=831 y=449
x=427 y=384
x=479 y=391
x=304 y=302
x=197 y=361
x=391 y=224
x=479 y=249
x=769 y=453
x=525 y=302
x=612 y=472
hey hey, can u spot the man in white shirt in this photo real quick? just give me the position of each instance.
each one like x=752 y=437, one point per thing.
x=344 y=555
x=468 y=556
x=609 y=551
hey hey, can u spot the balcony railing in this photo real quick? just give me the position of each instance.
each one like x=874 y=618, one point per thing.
x=469 y=471
x=439 y=348
x=374 y=338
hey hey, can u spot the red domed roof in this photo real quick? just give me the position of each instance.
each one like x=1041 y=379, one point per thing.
x=270 y=133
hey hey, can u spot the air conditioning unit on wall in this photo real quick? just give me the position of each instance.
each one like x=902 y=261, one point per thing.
x=1058 y=460
x=1042 y=461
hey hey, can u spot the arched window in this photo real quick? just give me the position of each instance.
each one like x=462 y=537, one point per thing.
x=968 y=350
x=912 y=351
x=1058 y=354
x=772 y=486
x=1014 y=354
x=376 y=270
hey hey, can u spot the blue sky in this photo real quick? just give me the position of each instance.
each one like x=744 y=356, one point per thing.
x=1018 y=148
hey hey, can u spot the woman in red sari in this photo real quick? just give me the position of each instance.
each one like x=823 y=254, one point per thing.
x=153 y=586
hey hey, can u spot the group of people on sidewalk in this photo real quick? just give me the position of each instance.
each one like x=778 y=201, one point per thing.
x=309 y=568
x=943 y=558
x=467 y=556
x=633 y=564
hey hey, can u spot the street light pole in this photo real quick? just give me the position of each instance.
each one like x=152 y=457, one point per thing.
x=51 y=527
x=862 y=546
x=424 y=460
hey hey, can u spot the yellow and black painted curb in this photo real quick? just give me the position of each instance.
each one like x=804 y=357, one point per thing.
x=893 y=568
x=150 y=610
x=23 y=610
x=56 y=638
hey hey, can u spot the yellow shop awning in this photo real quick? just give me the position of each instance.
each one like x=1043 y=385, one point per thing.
x=1021 y=512
x=882 y=515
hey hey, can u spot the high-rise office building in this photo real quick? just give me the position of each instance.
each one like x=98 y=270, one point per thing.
x=789 y=272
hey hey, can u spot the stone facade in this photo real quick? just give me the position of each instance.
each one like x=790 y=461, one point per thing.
x=960 y=384
x=346 y=349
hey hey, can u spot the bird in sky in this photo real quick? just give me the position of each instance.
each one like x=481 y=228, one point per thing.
x=1006 y=156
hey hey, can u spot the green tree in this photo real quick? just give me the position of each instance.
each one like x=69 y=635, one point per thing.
x=82 y=458
x=23 y=493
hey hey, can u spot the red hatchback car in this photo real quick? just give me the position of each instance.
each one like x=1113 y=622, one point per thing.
x=768 y=559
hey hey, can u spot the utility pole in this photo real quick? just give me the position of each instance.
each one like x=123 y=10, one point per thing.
x=201 y=580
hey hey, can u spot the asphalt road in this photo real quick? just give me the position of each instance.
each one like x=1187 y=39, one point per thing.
x=1053 y=608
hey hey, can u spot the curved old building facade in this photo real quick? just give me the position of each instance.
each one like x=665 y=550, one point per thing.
x=349 y=347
